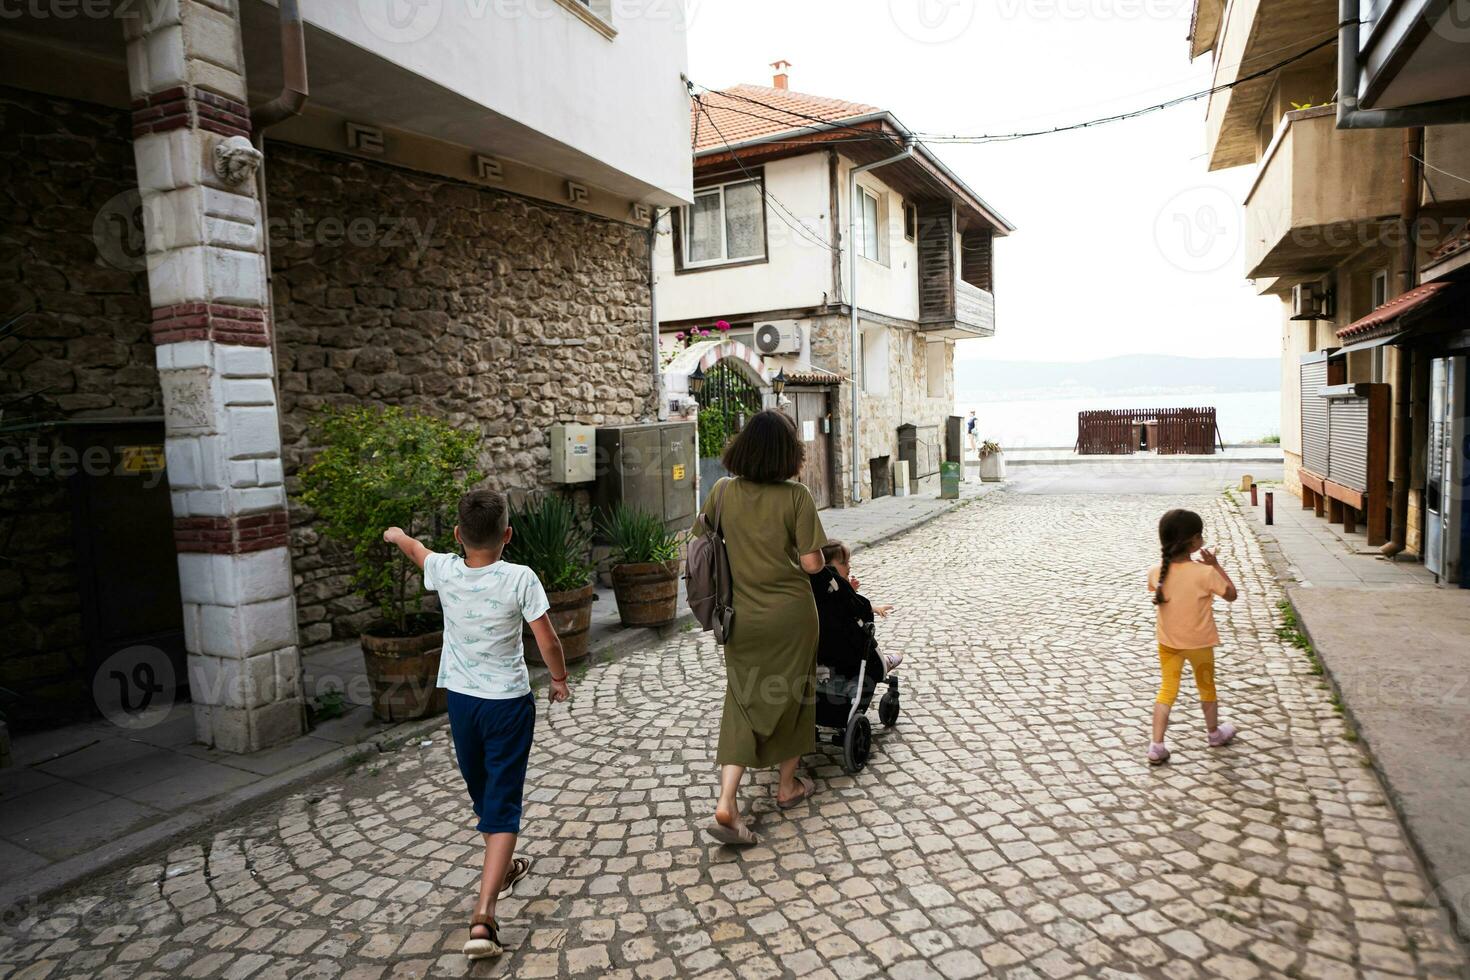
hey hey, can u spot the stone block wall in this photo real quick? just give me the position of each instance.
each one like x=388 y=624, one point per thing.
x=71 y=253
x=494 y=311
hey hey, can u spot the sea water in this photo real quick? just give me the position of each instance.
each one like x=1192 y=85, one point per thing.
x=1243 y=416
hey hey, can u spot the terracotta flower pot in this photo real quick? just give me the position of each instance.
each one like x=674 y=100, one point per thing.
x=403 y=672
x=647 y=593
x=571 y=615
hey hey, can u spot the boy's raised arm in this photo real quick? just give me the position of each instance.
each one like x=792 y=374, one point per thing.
x=412 y=547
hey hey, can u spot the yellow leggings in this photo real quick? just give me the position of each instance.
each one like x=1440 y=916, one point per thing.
x=1171 y=665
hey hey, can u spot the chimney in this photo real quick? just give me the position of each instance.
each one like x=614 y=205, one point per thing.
x=782 y=79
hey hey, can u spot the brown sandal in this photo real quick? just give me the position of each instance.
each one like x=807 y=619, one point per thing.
x=808 y=790
x=480 y=948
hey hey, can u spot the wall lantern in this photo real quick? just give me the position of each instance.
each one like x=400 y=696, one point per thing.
x=696 y=380
x=778 y=383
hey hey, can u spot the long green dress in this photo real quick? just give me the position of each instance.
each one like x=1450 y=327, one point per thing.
x=771 y=655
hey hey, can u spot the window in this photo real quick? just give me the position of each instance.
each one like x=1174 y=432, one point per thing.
x=873 y=346
x=910 y=221
x=936 y=362
x=725 y=224
x=1380 y=288
x=868 y=214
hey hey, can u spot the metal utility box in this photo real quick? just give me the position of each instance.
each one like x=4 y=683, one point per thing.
x=648 y=466
x=573 y=456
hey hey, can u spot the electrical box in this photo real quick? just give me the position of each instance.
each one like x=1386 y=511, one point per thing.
x=573 y=453
x=650 y=467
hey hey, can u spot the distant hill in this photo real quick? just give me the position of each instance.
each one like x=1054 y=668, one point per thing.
x=1135 y=374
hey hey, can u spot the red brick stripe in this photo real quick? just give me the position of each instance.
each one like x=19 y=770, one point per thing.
x=222 y=324
x=183 y=106
x=232 y=535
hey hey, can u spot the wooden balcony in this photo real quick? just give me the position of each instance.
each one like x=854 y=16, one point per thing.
x=954 y=300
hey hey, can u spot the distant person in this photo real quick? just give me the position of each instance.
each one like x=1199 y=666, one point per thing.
x=1184 y=596
x=492 y=713
x=972 y=433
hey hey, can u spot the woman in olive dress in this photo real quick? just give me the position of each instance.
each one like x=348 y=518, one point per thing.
x=774 y=541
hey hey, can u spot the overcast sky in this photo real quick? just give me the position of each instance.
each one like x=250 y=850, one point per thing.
x=1125 y=242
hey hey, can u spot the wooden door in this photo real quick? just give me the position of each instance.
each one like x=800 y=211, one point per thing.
x=810 y=409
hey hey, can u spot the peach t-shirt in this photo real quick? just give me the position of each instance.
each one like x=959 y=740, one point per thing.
x=1187 y=619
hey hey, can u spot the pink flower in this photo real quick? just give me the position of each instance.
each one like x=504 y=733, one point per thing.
x=679 y=335
x=722 y=324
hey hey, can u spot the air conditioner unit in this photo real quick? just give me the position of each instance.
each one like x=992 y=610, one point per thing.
x=778 y=337
x=1311 y=301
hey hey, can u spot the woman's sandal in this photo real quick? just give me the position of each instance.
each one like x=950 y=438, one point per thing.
x=481 y=947
x=808 y=790
x=740 y=835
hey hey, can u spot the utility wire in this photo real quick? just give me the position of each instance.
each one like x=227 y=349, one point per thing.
x=767 y=198
x=1439 y=170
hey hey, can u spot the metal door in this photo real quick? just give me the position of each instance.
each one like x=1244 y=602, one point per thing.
x=812 y=414
x=126 y=562
x=1447 y=478
x=678 y=473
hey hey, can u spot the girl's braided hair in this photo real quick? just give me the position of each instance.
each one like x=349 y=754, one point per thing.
x=1177 y=530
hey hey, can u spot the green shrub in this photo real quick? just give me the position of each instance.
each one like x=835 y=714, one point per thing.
x=549 y=538
x=715 y=431
x=386 y=467
x=637 y=536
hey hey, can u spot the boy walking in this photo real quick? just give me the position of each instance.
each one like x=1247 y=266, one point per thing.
x=492 y=713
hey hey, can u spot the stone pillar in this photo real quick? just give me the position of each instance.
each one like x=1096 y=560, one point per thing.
x=207 y=284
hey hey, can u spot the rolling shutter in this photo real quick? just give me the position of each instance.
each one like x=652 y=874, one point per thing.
x=1348 y=453
x=1314 y=417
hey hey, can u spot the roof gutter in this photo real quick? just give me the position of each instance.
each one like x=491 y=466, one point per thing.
x=293 y=65
x=1449 y=112
x=852 y=302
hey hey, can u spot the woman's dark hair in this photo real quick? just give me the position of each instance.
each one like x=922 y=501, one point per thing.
x=1177 y=530
x=766 y=450
x=835 y=550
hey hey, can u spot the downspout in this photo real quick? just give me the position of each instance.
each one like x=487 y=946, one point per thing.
x=660 y=403
x=1447 y=113
x=284 y=106
x=852 y=301
x=1404 y=364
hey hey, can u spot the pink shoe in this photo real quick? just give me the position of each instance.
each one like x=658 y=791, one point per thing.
x=1222 y=735
x=1158 y=753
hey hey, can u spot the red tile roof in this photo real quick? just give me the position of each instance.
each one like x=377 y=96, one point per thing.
x=1389 y=314
x=747 y=112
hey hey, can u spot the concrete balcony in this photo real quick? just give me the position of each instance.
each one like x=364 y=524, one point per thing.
x=971 y=314
x=1320 y=194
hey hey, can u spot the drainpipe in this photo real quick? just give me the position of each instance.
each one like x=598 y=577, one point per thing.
x=284 y=106
x=1404 y=363
x=852 y=301
x=660 y=403
x=1447 y=113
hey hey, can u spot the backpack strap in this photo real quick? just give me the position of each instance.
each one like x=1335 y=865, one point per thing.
x=719 y=494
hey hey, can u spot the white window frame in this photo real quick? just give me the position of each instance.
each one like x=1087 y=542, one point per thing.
x=596 y=14
x=686 y=214
x=864 y=194
x=1378 y=295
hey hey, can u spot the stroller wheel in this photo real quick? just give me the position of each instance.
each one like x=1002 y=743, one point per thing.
x=857 y=743
x=888 y=709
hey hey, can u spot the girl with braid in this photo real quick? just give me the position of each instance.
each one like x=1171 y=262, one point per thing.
x=1184 y=595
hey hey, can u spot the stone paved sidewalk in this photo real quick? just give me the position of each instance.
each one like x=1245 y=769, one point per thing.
x=1007 y=826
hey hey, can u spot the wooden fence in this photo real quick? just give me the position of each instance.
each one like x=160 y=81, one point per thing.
x=1167 y=431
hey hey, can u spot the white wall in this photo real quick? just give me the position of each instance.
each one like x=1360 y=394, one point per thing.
x=798 y=273
x=892 y=287
x=618 y=100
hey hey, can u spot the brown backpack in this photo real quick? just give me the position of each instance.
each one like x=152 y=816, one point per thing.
x=708 y=586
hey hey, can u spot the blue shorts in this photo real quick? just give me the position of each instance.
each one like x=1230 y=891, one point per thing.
x=492 y=740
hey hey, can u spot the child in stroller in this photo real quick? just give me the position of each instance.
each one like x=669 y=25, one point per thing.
x=848 y=654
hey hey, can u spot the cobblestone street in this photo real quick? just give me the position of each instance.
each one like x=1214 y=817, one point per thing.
x=1007 y=826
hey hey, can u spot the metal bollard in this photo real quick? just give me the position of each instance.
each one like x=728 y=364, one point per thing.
x=1270 y=508
x=1254 y=502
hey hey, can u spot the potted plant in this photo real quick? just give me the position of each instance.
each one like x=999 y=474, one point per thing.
x=549 y=537
x=381 y=467
x=992 y=462
x=645 y=566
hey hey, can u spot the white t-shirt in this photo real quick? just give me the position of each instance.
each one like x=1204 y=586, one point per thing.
x=483 y=611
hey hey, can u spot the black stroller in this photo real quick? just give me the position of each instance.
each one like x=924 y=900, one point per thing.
x=849 y=671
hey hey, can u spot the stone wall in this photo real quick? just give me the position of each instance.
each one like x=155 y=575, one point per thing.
x=907 y=398
x=494 y=311
x=70 y=253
